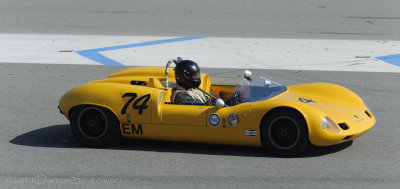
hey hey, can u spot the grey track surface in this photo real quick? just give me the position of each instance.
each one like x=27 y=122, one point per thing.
x=38 y=150
x=339 y=19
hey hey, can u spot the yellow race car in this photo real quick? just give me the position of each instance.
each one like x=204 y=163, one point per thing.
x=136 y=103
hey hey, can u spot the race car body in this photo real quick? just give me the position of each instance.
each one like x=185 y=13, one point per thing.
x=135 y=103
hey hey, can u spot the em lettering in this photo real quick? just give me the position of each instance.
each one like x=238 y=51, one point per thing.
x=130 y=129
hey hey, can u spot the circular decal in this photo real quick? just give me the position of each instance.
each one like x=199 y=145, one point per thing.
x=233 y=119
x=213 y=120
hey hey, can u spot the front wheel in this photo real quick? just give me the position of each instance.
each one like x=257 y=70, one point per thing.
x=94 y=126
x=284 y=132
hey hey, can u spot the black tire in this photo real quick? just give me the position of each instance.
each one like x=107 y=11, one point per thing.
x=284 y=132
x=94 y=126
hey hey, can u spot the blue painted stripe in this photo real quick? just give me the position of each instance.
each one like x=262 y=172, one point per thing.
x=391 y=59
x=94 y=54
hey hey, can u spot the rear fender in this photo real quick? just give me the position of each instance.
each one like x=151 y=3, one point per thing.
x=107 y=95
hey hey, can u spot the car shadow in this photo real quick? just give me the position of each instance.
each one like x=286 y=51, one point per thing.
x=56 y=136
x=315 y=151
x=60 y=136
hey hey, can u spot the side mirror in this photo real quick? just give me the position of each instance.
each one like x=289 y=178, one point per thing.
x=219 y=103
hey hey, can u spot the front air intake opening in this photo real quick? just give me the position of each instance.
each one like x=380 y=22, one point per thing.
x=368 y=114
x=348 y=137
x=343 y=126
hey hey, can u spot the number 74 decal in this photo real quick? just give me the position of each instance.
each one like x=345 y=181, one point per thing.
x=135 y=105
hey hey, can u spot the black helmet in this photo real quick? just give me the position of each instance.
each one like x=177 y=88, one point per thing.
x=187 y=74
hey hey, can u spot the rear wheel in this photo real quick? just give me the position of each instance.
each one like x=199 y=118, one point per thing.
x=94 y=126
x=284 y=132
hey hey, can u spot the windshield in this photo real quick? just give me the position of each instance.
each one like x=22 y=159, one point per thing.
x=257 y=89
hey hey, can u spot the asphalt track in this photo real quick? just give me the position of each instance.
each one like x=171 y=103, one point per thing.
x=324 y=19
x=38 y=150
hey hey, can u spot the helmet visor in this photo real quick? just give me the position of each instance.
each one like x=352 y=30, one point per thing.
x=195 y=76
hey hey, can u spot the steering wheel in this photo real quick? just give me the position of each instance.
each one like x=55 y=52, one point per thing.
x=235 y=99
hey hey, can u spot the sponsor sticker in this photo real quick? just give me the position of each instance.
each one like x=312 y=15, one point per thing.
x=223 y=122
x=358 y=118
x=251 y=132
x=233 y=119
x=214 y=120
x=304 y=100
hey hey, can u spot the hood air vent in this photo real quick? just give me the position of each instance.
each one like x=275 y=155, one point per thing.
x=343 y=126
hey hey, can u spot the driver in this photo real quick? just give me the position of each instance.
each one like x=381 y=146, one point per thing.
x=187 y=76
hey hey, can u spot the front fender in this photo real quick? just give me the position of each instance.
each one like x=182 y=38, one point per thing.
x=312 y=116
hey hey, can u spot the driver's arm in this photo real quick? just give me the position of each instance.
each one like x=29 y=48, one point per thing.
x=184 y=98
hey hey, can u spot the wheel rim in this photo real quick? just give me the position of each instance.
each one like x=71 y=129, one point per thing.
x=92 y=123
x=284 y=132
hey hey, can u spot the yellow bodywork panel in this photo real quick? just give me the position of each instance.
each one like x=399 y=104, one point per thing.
x=138 y=98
